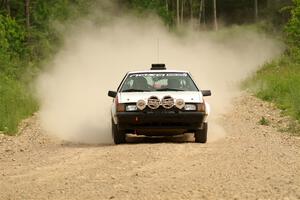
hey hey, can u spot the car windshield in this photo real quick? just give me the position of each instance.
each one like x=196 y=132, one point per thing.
x=158 y=81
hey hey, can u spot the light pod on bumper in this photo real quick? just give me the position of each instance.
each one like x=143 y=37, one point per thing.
x=167 y=102
x=153 y=102
x=179 y=103
x=141 y=104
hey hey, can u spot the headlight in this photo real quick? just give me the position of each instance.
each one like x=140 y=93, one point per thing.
x=190 y=107
x=131 y=108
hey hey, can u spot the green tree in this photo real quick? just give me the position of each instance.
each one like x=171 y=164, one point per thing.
x=156 y=6
x=293 y=27
x=12 y=40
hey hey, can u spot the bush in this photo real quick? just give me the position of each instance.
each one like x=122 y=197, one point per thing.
x=155 y=6
x=12 y=39
x=16 y=103
x=293 y=27
x=293 y=32
x=279 y=82
x=22 y=49
x=264 y=121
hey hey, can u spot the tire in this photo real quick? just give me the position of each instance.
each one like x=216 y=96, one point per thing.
x=201 y=134
x=119 y=137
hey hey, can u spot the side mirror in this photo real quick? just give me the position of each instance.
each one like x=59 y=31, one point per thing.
x=206 y=93
x=112 y=94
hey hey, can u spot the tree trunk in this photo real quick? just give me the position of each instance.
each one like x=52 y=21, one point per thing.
x=8 y=6
x=200 y=11
x=27 y=13
x=268 y=4
x=178 y=18
x=182 y=9
x=255 y=10
x=191 y=4
x=204 y=12
x=215 y=15
x=167 y=6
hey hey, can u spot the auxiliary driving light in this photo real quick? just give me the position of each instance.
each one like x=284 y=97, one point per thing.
x=153 y=102
x=141 y=104
x=179 y=103
x=167 y=102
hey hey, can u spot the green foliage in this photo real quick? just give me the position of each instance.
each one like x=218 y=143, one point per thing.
x=264 y=121
x=293 y=32
x=23 y=48
x=16 y=103
x=279 y=82
x=12 y=36
x=293 y=27
x=12 y=39
x=156 y=6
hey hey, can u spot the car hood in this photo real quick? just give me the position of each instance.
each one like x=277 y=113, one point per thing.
x=133 y=97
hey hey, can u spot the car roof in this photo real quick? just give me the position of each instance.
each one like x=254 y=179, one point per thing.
x=151 y=71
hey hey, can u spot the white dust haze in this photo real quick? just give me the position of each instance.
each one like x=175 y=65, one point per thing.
x=73 y=88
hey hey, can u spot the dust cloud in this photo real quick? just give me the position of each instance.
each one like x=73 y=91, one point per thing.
x=73 y=88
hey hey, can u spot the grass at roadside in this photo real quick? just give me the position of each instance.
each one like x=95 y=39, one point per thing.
x=16 y=103
x=279 y=82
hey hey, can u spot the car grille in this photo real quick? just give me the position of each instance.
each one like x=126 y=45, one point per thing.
x=161 y=110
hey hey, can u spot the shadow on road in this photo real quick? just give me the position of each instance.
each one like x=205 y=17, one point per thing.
x=132 y=139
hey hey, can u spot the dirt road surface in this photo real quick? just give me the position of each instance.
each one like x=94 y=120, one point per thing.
x=252 y=162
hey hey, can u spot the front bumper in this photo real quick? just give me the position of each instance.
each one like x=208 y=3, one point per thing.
x=176 y=122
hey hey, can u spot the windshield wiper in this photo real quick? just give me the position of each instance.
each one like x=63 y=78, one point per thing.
x=135 y=90
x=169 y=89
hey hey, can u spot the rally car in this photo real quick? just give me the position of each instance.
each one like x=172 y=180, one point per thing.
x=159 y=102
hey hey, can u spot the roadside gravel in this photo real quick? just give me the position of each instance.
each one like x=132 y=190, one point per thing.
x=253 y=161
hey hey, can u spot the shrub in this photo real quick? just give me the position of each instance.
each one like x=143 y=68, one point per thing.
x=16 y=103
x=12 y=39
x=279 y=82
x=293 y=31
x=264 y=122
x=293 y=26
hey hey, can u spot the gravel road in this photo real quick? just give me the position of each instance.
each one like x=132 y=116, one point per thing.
x=252 y=162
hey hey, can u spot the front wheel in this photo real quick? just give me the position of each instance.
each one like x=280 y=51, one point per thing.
x=201 y=134
x=119 y=137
